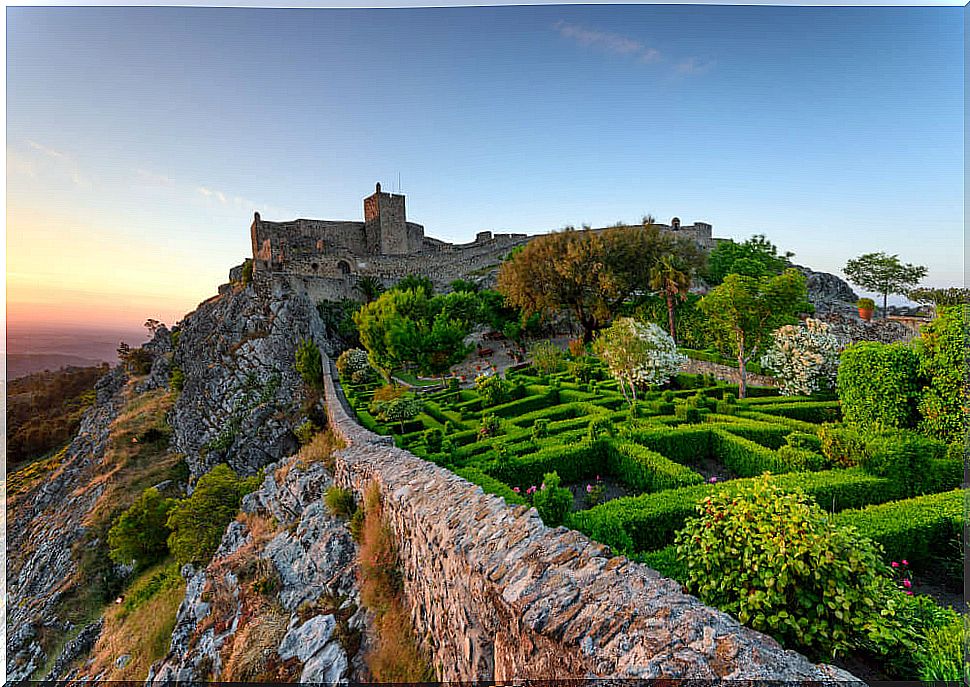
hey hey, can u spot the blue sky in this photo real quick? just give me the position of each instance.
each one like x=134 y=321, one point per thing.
x=140 y=140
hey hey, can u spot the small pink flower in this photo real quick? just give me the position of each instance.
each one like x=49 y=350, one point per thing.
x=905 y=562
x=895 y=564
x=515 y=489
x=909 y=592
x=907 y=584
x=597 y=478
x=543 y=486
x=589 y=488
x=712 y=480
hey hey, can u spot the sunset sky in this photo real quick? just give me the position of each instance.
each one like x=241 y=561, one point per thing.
x=140 y=141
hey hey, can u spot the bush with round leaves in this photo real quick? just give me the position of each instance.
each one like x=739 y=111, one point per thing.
x=552 y=501
x=140 y=533
x=354 y=364
x=776 y=561
x=879 y=385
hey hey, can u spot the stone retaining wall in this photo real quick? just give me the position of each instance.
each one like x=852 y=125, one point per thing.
x=497 y=595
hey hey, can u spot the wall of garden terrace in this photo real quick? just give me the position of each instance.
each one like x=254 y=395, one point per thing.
x=497 y=595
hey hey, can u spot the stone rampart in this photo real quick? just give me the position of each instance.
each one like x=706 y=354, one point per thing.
x=497 y=595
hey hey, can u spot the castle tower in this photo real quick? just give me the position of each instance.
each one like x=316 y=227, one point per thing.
x=385 y=224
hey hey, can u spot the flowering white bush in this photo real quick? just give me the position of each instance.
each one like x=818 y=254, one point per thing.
x=355 y=364
x=638 y=354
x=804 y=358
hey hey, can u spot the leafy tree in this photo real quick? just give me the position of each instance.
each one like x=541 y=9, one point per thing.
x=247 y=271
x=399 y=410
x=940 y=298
x=404 y=329
x=743 y=312
x=946 y=400
x=197 y=522
x=416 y=282
x=637 y=355
x=546 y=357
x=672 y=279
x=584 y=272
x=153 y=325
x=140 y=533
x=884 y=274
x=462 y=306
x=756 y=257
x=370 y=288
x=309 y=363
x=464 y=286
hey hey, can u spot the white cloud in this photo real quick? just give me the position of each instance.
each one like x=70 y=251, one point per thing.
x=618 y=44
x=154 y=178
x=61 y=161
x=694 y=65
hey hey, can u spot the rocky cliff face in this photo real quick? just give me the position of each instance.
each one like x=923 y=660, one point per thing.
x=242 y=396
x=45 y=524
x=279 y=600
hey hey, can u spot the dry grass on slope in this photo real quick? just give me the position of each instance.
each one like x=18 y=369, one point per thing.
x=320 y=449
x=141 y=630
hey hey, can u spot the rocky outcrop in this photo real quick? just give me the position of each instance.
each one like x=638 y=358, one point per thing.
x=853 y=330
x=242 y=396
x=829 y=293
x=309 y=558
x=44 y=525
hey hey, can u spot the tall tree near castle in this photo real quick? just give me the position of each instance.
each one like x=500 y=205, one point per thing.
x=743 y=312
x=883 y=274
x=586 y=273
x=672 y=279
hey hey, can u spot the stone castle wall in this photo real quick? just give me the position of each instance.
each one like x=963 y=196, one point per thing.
x=496 y=595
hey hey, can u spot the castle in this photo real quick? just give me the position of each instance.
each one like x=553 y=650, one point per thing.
x=325 y=259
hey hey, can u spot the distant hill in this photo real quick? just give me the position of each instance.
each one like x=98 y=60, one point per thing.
x=22 y=364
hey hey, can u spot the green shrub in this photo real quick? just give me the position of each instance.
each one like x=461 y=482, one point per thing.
x=802 y=460
x=773 y=559
x=176 y=380
x=552 y=501
x=547 y=358
x=744 y=457
x=492 y=389
x=340 y=501
x=919 y=529
x=309 y=363
x=490 y=426
x=942 y=655
x=433 y=439
x=305 y=432
x=879 y=385
x=904 y=457
x=247 y=271
x=574 y=461
x=197 y=522
x=804 y=440
x=540 y=429
x=945 y=343
x=646 y=470
x=600 y=427
x=844 y=446
x=688 y=413
x=140 y=533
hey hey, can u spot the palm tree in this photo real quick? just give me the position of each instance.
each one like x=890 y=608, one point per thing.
x=672 y=280
x=370 y=288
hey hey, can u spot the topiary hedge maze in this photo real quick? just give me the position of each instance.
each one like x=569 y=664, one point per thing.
x=660 y=458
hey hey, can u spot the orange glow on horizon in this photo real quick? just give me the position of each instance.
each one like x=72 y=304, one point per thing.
x=62 y=272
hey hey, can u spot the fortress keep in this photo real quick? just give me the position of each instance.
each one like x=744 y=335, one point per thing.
x=325 y=259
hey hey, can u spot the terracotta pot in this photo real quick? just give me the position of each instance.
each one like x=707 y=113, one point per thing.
x=866 y=313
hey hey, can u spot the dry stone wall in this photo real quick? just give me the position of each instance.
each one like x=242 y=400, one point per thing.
x=496 y=595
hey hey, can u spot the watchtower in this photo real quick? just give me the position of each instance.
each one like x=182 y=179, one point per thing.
x=385 y=224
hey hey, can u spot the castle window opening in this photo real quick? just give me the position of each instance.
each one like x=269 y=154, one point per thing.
x=314 y=267
x=344 y=267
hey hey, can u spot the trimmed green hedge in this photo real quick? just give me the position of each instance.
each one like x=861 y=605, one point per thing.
x=649 y=521
x=880 y=385
x=808 y=411
x=769 y=434
x=490 y=485
x=744 y=457
x=920 y=529
x=684 y=445
x=797 y=425
x=646 y=470
x=520 y=407
x=565 y=411
x=573 y=463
